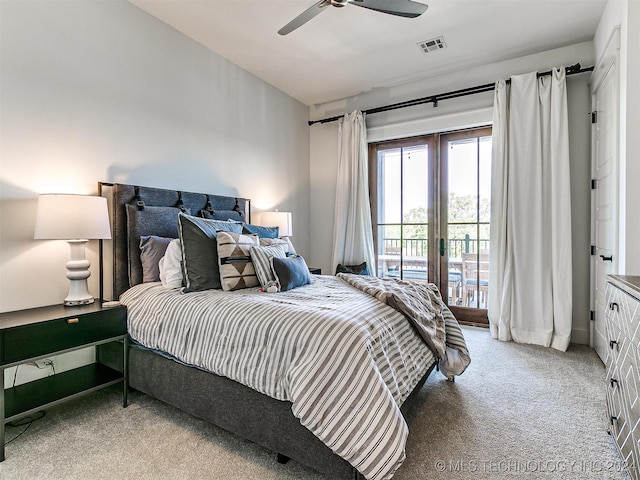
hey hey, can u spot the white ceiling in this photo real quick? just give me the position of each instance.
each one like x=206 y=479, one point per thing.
x=347 y=51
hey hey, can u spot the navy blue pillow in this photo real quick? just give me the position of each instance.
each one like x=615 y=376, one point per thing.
x=291 y=272
x=224 y=215
x=262 y=232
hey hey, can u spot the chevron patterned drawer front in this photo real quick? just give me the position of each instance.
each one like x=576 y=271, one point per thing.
x=623 y=367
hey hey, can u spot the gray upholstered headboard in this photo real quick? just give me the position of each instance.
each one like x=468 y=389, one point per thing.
x=123 y=198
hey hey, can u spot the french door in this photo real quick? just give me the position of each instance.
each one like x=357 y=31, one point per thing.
x=430 y=199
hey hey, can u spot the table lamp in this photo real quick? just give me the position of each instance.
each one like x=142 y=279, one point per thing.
x=282 y=220
x=76 y=219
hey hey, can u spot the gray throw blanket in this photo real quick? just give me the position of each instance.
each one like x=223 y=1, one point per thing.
x=422 y=304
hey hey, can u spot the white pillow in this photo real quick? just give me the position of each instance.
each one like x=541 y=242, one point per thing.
x=291 y=250
x=170 y=265
x=284 y=241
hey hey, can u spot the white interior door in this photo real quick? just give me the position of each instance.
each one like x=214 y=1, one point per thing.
x=604 y=204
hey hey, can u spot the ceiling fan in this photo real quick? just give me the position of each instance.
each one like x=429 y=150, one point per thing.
x=402 y=8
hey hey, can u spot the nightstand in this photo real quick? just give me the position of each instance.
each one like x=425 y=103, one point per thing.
x=37 y=333
x=315 y=271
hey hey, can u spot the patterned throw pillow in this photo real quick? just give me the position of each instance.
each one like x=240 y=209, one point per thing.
x=261 y=258
x=234 y=255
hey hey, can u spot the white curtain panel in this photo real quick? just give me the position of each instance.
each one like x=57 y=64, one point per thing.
x=352 y=233
x=530 y=277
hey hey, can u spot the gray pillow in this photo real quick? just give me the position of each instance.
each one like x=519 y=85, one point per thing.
x=152 y=249
x=159 y=221
x=200 y=251
x=291 y=272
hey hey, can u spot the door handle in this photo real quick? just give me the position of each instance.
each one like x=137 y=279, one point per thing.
x=442 y=249
x=606 y=259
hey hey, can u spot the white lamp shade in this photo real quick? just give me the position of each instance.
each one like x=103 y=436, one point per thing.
x=72 y=217
x=282 y=220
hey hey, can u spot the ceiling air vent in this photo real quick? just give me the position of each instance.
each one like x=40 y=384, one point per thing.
x=432 y=44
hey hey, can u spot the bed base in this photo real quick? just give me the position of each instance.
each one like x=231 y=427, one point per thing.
x=233 y=407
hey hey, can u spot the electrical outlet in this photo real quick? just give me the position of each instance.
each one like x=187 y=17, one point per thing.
x=44 y=363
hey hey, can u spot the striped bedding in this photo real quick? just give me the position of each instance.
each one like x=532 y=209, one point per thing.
x=344 y=359
x=423 y=306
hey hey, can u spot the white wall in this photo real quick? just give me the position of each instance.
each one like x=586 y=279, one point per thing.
x=101 y=91
x=625 y=14
x=632 y=138
x=451 y=114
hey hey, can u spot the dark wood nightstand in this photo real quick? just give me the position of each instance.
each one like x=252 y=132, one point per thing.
x=36 y=333
x=315 y=271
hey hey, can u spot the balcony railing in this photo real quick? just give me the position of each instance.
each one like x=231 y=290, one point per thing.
x=469 y=290
x=412 y=247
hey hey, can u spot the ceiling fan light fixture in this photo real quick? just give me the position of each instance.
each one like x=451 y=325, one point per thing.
x=401 y=8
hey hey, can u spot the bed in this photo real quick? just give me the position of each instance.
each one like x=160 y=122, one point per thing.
x=319 y=373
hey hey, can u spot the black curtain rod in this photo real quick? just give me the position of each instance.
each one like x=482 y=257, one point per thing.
x=487 y=87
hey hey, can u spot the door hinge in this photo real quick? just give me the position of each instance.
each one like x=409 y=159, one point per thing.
x=593 y=249
x=594 y=184
x=592 y=315
x=594 y=117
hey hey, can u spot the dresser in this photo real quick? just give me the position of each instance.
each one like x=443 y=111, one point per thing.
x=623 y=367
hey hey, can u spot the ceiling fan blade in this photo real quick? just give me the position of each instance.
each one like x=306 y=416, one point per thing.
x=402 y=8
x=304 y=17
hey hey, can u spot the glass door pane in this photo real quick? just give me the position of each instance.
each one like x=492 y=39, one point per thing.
x=465 y=211
x=402 y=197
x=389 y=212
x=415 y=199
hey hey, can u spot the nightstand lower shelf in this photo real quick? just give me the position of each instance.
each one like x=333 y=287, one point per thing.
x=31 y=397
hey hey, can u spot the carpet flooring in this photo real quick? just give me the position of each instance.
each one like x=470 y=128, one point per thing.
x=519 y=411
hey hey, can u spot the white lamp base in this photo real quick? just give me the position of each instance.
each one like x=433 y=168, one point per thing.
x=77 y=273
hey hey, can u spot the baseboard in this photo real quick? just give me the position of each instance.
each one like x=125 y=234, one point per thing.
x=580 y=336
